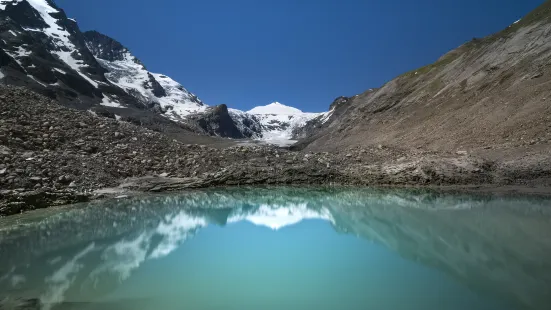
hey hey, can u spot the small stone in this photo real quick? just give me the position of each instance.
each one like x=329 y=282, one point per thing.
x=65 y=179
x=4 y=150
x=27 y=155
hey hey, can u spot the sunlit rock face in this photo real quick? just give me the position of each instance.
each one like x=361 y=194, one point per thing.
x=97 y=247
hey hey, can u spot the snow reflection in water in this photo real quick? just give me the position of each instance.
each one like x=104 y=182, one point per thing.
x=490 y=245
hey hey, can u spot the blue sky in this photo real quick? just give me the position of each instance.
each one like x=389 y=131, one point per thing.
x=302 y=53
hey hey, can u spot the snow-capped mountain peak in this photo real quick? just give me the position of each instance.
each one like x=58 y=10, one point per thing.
x=46 y=51
x=155 y=91
x=279 y=122
x=275 y=108
x=46 y=23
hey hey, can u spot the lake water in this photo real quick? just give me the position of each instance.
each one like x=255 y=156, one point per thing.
x=281 y=248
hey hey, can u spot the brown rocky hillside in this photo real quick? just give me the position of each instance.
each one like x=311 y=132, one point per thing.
x=490 y=95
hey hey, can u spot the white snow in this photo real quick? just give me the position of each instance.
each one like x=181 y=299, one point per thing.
x=278 y=122
x=20 y=52
x=131 y=76
x=517 y=21
x=275 y=108
x=74 y=64
x=179 y=98
x=32 y=77
x=13 y=33
x=3 y=3
x=60 y=71
x=59 y=36
x=1 y=75
x=324 y=117
x=108 y=102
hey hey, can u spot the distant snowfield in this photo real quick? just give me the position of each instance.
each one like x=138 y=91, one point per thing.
x=275 y=108
x=279 y=121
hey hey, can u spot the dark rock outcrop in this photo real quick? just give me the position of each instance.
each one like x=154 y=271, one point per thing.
x=218 y=122
x=104 y=47
x=314 y=125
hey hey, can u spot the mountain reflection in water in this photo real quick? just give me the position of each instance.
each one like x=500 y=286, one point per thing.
x=492 y=245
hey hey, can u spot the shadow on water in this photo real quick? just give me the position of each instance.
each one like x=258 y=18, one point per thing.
x=493 y=245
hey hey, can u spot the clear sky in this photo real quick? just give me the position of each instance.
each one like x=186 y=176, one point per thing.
x=302 y=53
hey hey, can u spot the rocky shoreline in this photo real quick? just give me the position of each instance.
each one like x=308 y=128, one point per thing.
x=52 y=155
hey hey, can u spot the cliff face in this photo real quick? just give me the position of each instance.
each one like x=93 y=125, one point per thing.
x=488 y=93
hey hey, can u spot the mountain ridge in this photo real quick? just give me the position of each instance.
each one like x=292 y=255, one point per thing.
x=471 y=99
x=44 y=50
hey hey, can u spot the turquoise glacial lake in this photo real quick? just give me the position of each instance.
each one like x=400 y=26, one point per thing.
x=281 y=248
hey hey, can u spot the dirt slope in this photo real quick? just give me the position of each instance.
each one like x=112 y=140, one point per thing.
x=488 y=94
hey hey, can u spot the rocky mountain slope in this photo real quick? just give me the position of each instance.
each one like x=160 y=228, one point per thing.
x=54 y=155
x=490 y=93
x=154 y=91
x=44 y=50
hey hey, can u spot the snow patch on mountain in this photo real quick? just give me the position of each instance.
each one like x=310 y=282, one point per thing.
x=63 y=48
x=278 y=122
x=275 y=108
x=108 y=102
x=4 y=3
x=182 y=101
x=60 y=38
x=130 y=74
